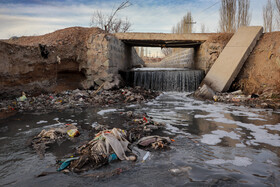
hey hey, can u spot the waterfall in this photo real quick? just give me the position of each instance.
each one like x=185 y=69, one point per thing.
x=166 y=79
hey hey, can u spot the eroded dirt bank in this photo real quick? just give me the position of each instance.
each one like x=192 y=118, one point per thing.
x=261 y=72
x=66 y=59
x=37 y=63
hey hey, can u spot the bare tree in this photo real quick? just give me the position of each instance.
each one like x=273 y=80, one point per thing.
x=268 y=17
x=277 y=7
x=185 y=25
x=166 y=51
x=227 y=16
x=203 y=29
x=244 y=16
x=110 y=23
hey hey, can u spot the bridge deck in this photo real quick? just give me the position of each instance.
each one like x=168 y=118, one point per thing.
x=163 y=39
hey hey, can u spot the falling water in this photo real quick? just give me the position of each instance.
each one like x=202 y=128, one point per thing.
x=167 y=79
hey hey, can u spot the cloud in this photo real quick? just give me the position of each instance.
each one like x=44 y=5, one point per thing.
x=17 y=17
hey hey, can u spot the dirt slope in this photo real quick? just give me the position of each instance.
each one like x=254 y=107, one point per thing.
x=261 y=72
x=23 y=68
x=70 y=36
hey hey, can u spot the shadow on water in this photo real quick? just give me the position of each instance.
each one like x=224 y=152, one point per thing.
x=220 y=144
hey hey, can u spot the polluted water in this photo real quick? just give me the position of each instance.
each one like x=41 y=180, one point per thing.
x=215 y=144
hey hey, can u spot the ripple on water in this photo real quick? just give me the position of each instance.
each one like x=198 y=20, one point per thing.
x=215 y=140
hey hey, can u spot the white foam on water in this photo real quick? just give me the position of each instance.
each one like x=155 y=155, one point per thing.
x=260 y=119
x=174 y=130
x=210 y=139
x=271 y=162
x=217 y=135
x=238 y=161
x=240 y=145
x=70 y=120
x=2 y=138
x=53 y=125
x=102 y=112
x=131 y=106
x=42 y=121
x=220 y=114
x=273 y=127
x=95 y=124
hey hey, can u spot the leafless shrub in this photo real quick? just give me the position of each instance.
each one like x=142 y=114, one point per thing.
x=268 y=17
x=185 y=25
x=227 y=16
x=166 y=51
x=277 y=7
x=110 y=23
x=203 y=28
x=243 y=16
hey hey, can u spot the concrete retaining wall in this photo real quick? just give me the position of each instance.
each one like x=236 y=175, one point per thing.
x=182 y=59
x=121 y=57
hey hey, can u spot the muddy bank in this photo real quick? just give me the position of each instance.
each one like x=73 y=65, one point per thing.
x=73 y=99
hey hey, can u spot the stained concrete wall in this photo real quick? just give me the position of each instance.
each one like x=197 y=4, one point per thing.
x=181 y=59
x=121 y=56
x=232 y=58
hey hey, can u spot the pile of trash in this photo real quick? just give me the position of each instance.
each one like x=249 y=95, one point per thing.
x=154 y=142
x=106 y=146
x=236 y=96
x=46 y=137
x=141 y=125
x=253 y=100
x=76 y=99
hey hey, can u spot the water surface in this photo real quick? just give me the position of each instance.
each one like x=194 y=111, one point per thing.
x=222 y=145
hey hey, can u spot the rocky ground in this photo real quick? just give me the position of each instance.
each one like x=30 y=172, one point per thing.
x=74 y=99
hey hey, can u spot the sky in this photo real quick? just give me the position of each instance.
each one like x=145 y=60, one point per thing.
x=36 y=17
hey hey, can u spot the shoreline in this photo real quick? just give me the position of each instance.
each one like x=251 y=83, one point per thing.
x=80 y=99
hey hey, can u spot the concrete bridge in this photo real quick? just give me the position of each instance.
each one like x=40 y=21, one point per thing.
x=190 y=40
x=225 y=68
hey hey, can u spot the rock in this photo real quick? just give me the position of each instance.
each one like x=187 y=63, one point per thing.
x=99 y=82
x=116 y=83
x=204 y=92
x=181 y=170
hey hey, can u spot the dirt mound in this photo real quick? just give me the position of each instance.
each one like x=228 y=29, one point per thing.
x=71 y=35
x=261 y=72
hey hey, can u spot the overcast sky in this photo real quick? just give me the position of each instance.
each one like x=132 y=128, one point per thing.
x=35 y=17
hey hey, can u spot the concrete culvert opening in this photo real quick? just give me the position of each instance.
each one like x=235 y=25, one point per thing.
x=170 y=72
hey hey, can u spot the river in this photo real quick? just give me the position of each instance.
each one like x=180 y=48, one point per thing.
x=219 y=144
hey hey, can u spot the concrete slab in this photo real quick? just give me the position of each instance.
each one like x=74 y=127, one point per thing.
x=163 y=39
x=232 y=58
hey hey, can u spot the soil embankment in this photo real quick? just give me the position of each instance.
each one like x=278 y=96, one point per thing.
x=44 y=63
x=259 y=78
x=261 y=72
